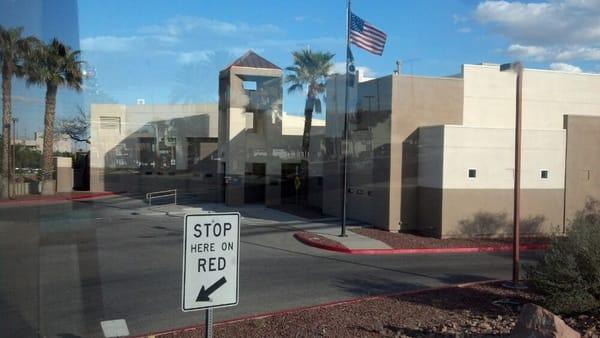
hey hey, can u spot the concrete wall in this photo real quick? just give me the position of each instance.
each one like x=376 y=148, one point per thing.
x=129 y=124
x=489 y=99
x=416 y=102
x=485 y=212
x=64 y=174
x=368 y=167
x=62 y=143
x=294 y=125
x=431 y=157
x=333 y=153
x=582 y=163
x=241 y=146
x=491 y=152
x=430 y=179
x=383 y=163
x=420 y=174
x=483 y=205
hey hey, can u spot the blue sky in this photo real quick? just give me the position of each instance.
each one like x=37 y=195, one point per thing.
x=172 y=51
x=168 y=52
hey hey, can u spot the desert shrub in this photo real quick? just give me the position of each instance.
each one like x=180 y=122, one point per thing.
x=568 y=275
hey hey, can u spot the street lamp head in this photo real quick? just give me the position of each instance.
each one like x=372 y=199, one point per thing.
x=505 y=66
x=514 y=66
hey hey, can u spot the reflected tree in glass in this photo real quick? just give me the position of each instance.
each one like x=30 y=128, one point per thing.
x=53 y=65
x=13 y=50
x=309 y=72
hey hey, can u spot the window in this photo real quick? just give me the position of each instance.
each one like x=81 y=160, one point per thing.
x=544 y=174
x=472 y=173
x=249 y=85
x=110 y=122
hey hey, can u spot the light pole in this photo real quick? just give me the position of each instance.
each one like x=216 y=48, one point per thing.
x=516 y=67
x=156 y=151
x=13 y=166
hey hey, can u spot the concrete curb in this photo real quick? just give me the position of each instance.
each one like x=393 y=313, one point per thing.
x=461 y=250
x=53 y=199
x=314 y=307
x=94 y=195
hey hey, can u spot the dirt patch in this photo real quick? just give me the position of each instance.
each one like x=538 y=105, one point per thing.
x=471 y=311
x=408 y=241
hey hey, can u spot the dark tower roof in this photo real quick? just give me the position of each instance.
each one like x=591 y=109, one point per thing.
x=252 y=60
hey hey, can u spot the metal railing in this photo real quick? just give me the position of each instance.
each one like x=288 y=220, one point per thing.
x=161 y=194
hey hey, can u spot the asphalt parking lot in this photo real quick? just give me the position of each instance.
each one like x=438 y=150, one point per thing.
x=67 y=267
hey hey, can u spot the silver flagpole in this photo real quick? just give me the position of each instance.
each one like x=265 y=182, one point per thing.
x=345 y=136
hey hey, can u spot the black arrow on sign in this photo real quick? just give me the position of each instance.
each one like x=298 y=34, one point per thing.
x=204 y=293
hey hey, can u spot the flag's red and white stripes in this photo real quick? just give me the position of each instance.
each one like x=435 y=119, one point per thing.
x=366 y=36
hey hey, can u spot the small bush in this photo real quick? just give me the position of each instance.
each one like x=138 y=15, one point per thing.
x=568 y=275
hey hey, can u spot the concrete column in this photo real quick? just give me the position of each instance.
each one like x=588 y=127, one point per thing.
x=236 y=157
x=64 y=174
x=181 y=148
x=273 y=188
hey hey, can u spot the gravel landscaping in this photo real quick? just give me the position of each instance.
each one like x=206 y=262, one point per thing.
x=408 y=241
x=467 y=311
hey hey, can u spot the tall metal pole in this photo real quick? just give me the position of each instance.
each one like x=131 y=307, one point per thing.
x=156 y=151
x=345 y=136
x=12 y=160
x=208 y=323
x=13 y=168
x=517 y=187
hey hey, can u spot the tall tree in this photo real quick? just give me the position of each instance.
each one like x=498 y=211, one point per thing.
x=309 y=73
x=76 y=127
x=13 y=50
x=54 y=65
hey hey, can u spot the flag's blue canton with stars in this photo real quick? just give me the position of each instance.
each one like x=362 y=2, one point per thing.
x=366 y=36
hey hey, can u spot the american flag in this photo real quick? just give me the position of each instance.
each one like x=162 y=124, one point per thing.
x=366 y=36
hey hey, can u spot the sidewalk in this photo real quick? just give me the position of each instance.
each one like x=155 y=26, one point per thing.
x=324 y=232
x=366 y=241
x=27 y=200
x=352 y=240
x=324 y=227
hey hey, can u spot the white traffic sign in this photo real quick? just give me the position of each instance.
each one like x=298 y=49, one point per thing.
x=211 y=256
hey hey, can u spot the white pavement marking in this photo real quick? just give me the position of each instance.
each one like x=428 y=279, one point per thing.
x=114 y=328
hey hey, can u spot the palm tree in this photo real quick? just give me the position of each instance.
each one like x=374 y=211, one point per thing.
x=54 y=65
x=13 y=49
x=309 y=73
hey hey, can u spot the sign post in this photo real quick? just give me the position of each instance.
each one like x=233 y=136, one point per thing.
x=211 y=258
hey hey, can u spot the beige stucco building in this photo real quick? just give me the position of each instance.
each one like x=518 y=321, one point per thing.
x=437 y=154
x=142 y=148
x=259 y=146
x=240 y=150
x=62 y=143
x=433 y=155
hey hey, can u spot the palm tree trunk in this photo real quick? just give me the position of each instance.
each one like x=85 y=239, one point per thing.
x=6 y=117
x=48 y=187
x=308 y=112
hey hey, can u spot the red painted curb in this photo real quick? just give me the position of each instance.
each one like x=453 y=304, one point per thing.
x=94 y=195
x=319 y=306
x=459 y=250
x=304 y=238
x=53 y=199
